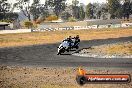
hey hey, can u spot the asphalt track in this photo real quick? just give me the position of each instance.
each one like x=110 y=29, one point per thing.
x=45 y=55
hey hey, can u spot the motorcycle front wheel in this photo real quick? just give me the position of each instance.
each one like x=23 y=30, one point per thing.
x=61 y=51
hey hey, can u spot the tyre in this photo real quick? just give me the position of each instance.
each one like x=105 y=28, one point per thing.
x=62 y=50
x=77 y=47
x=58 y=53
x=67 y=50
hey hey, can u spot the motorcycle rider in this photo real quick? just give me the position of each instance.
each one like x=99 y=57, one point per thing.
x=77 y=39
x=69 y=39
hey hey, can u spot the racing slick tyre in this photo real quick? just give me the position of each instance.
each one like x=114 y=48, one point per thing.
x=61 y=51
x=77 y=47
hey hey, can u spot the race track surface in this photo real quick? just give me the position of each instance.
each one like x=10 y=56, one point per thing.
x=45 y=55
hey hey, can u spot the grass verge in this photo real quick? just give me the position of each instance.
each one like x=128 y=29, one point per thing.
x=11 y=40
x=120 y=49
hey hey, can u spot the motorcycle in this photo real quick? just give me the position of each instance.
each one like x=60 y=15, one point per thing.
x=63 y=47
x=66 y=46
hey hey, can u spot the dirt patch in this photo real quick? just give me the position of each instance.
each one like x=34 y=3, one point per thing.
x=43 y=77
x=121 y=50
x=11 y=40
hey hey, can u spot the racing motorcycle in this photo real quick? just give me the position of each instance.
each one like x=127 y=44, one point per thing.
x=65 y=46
